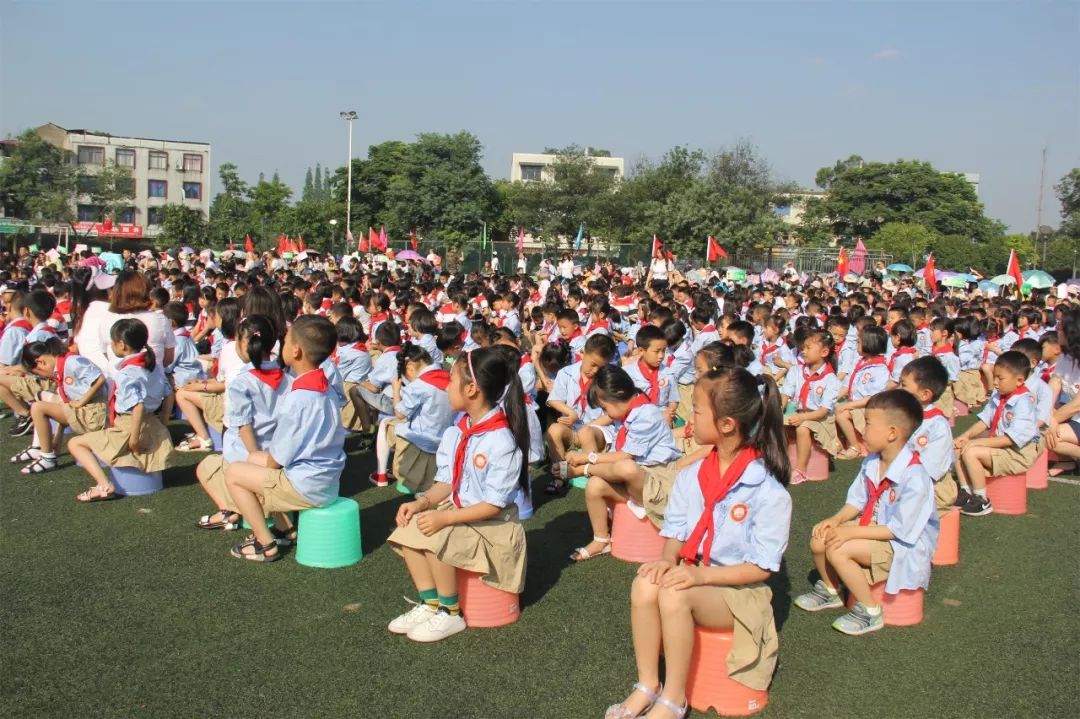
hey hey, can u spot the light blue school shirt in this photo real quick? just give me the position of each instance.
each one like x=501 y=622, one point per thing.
x=354 y=363
x=383 y=373
x=847 y=358
x=251 y=402
x=11 y=344
x=782 y=353
x=822 y=394
x=41 y=332
x=868 y=381
x=680 y=364
x=80 y=374
x=427 y=412
x=933 y=440
x=1018 y=421
x=527 y=376
x=491 y=469
x=185 y=366
x=648 y=437
x=703 y=338
x=428 y=343
x=565 y=389
x=1044 y=397
x=900 y=361
x=337 y=382
x=308 y=443
x=134 y=384
x=667 y=390
x=951 y=363
x=970 y=353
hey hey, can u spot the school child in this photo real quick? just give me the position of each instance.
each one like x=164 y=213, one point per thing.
x=941 y=335
x=421 y=417
x=509 y=317
x=867 y=379
x=254 y=395
x=376 y=391
x=639 y=467
x=726 y=526
x=301 y=468
x=422 y=329
x=468 y=519
x=353 y=364
x=450 y=341
x=775 y=356
x=921 y=320
x=903 y=338
x=813 y=388
x=134 y=437
x=1051 y=353
x=679 y=364
x=203 y=401
x=926 y=379
x=186 y=366
x=648 y=374
x=28 y=322
x=708 y=358
x=701 y=320
x=741 y=334
x=526 y=367
x=1010 y=421
x=569 y=398
x=1040 y=390
x=845 y=349
x=549 y=332
x=79 y=402
x=570 y=331
x=996 y=336
x=887 y=529
x=201 y=324
x=378 y=309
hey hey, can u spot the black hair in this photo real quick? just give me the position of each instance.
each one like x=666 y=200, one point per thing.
x=496 y=376
x=1049 y=338
x=900 y=404
x=423 y=321
x=611 y=383
x=1015 y=362
x=717 y=353
x=40 y=304
x=555 y=355
x=1029 y=347
x=316 y=337
x=159 y=296
x=649 y=334
x=261 y=338
x=228 y=310
x=133 y=333
x=822 y=337
x=928 y=373
x=601 y=345
x=349 y=330
x=411 y=352
x=388 y=334
x=701 y=315
x=743 y=330
x=176 y=313
x=51 y=346
x=449 y=335
x=905 y=332
x=873 y=340
x=674 y=331
x=568 y=315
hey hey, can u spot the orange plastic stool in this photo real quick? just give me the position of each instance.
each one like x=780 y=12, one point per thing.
x=817 y=469
x=1038 y=474
x=948 y=541
x=633 y=539
x=903 y=609
x=708 y=684
x=485 y=606
x=960 y=409
x=1008 y=493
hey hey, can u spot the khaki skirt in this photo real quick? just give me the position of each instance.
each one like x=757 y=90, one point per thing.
x=413 y=467
x=111 y=444
x=659 y=479
x=824 y=433
x=91 y=417
x=969 y=389
x=213 y=411
x=494 y=549
x=947 y=402
x=755 y=644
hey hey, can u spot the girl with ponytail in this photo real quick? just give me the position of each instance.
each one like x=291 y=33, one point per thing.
x=727 y=527
x=468 y=519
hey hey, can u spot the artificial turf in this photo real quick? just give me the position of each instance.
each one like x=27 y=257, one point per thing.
x=125 y=609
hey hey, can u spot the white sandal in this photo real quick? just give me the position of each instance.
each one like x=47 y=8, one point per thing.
x=619 y=711
x=679 y=712
x=581 y=554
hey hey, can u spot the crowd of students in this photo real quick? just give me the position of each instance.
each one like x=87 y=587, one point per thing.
x=678 y=400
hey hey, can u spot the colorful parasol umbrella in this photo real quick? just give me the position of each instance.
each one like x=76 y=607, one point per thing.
x=900 y=267
x=1003 y=280
x=409 y=255
x=1038 y=279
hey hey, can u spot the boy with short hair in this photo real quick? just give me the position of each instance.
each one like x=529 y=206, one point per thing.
x=29 y=321
x=185 y=366
x=887 y=528
x=570 y=331
x=376 y=389
x=1010 y=420
x=648 y=374
x=926 y=378
x=868 y=378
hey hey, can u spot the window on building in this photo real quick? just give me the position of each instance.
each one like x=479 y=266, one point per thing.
x=125 y=157
x=91 y=155
x=130 y=186
x=612 y=172
x=89 y=213
x=87 y=184
x=192 y=190
x=531 y=173
x=159 y=160
x=155 y=215
x=125 y=216
x=192 y=163
x=157 y=188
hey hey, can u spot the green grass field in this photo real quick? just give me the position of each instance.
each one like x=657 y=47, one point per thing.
x=125 y=609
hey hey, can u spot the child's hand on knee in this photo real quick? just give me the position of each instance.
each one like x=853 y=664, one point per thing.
x=683 y=576
x=654 y=571
x=821 y=528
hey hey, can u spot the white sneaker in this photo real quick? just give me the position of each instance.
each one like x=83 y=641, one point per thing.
x=440 y=626
x=418 y=615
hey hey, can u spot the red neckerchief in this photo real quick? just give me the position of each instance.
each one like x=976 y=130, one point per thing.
x=863 y=364
x=1045 y=374
x=714 y=487
x=922 y=327
x=873 y=494
x=272 y=377
x=986 y=347
x=571 y=338
x=437 y=378
x=804 y=391
x=900 y=351
x=1021 y=389
x=707 y=328
x=601 y=324
x=183 y=333
x=767 y=349
x=639 y=400
x=22 y=324
x=394 y=348
x=931 y=413
x=360 y=346
x=60 y=362
x=526 y=360
x=943 y=349
x=583 y=388
x=670 y=359
x=334 y=356
x=494 y=422
x=137 y=360
x=652 y=376
x=45 y=328
x=314 y=380
x=380 y=317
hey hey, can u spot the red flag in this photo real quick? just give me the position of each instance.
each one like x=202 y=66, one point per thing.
x=842 y=264
x=412 y=239
x=383 y=241
x=281 y=246
x=363 y=246
x=714 y=250
x=373 y=240
x=249 y=246
x=658 y=249
x=1014 y=269
x=230 y=246
x=300 y=243
x=521 y=240
x=930 y=274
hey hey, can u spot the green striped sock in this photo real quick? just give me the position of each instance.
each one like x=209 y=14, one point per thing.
x=429 y=597
x=450 y=604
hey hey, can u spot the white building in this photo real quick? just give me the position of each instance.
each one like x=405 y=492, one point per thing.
x=537 y=166
x=164 y=172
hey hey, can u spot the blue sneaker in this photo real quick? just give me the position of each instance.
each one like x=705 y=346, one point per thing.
x=859 y=621
x=818 y=598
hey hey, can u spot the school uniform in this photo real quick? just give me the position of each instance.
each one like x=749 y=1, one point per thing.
x=751 y=523
x=906 y=506
x=75 y=375
x=755 y=368
x=703 y=337
x=426 y=408
x=512 y=322
x=923 y=342
x=900 y=359
x=1008 y=339
x=1017 y=421
x=383 y=372
x=771 y=352
x=646 y=436
x=680 y=367
x=813 y=391
x=933 y=440
x=1044 y=398
x=185 y=366
x=572 y=389
x=656 y=384
x=337 y=382
x=867 y=379
x=969 y=386
x=12 y=341
x=847 y=358
x=488 y=472
x=948 y=358
x=354 y=364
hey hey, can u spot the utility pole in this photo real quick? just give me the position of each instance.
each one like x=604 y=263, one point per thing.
x=1038 y=212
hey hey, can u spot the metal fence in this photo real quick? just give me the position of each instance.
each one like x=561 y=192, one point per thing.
x=806 y=259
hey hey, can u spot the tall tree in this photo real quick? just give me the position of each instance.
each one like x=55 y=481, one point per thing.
x=231 y=212
x=320 y=190
x=111 y=190
x=309 y=187
x=183 y=226
x=37 y=181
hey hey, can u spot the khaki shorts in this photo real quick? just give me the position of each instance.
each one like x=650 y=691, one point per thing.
x=945 y=491
x=348 y=410
x=858 y=418
x=968 y=387
x=659 y=479
x=278 y=494
x=27 y=387
x=947 y=402
x=881 y=556
x=1013 y=461
x=824 y=432
x=686 y=402
x=214 y=466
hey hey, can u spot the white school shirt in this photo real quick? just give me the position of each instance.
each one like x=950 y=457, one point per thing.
x=933 y=440
x=251 y=402
x=427 y=412
x=1017 y=422
x=491 y=469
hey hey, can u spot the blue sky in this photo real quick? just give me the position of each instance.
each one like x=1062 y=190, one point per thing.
x=972 y=86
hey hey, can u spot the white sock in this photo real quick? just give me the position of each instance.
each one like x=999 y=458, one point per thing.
x=47 y=455
x=873 y=611
x=831 y=590
x=382 y=448
x=981 y=492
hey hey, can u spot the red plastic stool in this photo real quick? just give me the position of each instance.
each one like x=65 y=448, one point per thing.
x=948 y=541
x=960 y=409
x=1038 y=474
x=708 y=684
x=902 y=609
x=633 y=539
x=485 y=606
x=817 y=469
x=1008 y=493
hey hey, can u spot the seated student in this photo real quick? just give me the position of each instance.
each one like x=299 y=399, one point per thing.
x=868 y=377
x=1051 y=353
x=468 y=519
x=701 y=321
x=920 y=319
x=422 y=329
x=741 y=334
x=450 y=341
x=421 y=417
x=708 y=358
x=203 y=401
x=376 y=391
x=1010 y=447
x=1040 y=390
x=507 y=305
x=570 y=332
x=649 y=375
x=526 y=366
x=776 y=357
x=845 y=349
x=569 y=399
x=480 y=335
x=639 y=468
x=353 y=364
x=254 y=395
x=135 y=437
x=968 y=387
x=903 y=338
x=186 y=367
x=28 y=321
x=726 y=526
x=814 y=388
x=79 y=402
x=926 y=379
x=887 y=529
x=942 y=348
x=679 y=364
x=301 y=467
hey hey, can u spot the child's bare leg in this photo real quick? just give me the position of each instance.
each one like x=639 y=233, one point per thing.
x=245 y=482
x=976 y=461
x=166 y=409
x=826 y=572
x=445 y=576
x=8 y=397
x=557 y=438
x=42 y=412
x=361 y=408
x=89 y=461
x=804 y=440
x=598 y=493
x=848 y=561
x=645 y=629
x=191 y=405
x=419 y=569
x=625 y=472
x=847 y=426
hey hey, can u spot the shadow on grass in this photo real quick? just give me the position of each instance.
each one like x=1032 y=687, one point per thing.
x=780 y=584
x=549 y=550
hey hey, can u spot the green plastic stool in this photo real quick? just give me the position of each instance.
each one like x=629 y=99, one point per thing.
x=329 y=537
x=679 y=422
x=579 y=482
x=245 y=525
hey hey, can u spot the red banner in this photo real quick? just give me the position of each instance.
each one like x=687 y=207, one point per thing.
x=131 y=232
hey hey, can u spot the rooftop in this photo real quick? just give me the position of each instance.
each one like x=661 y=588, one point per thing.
x=130 y=137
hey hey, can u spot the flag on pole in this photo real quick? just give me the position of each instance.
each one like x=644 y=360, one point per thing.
x=1014 y=269
x=483 y=238
x=658 y=249
x=373 y=239
x=521 y=239
x=930 y=274
x=383 y=242
x=713 y=250
x=249 y=246
x=281 y=247
x=842 y=264
x=300 y=243
x=412 y=239
x=362 y=246
x=580 y=232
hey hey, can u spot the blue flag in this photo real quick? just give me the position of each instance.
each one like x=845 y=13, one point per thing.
x=577 y=240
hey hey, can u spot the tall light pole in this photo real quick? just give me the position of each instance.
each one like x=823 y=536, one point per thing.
x=333 y=227
x=348 y=116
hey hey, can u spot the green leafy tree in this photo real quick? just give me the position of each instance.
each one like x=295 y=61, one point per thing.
x=371 y=180
x=112 y=189
x=37 y=181
x=906 y=242
x=231 y=216
x=269 y=203
x=309 y=187
x=1068 y=192
x=182 y=226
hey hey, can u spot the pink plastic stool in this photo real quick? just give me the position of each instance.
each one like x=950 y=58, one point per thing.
x=633 y=539
x=960 y=409
x=1008 y=493
x=948 y=541
x=903 y=609
x=1038 y=474
x=485 y=606
x=817 y=469
x=708 y=684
